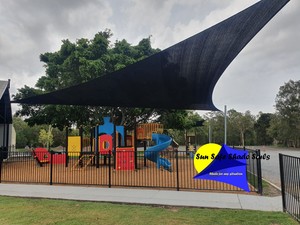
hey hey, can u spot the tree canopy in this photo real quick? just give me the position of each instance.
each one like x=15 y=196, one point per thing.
x=239 y=127
x=261 y=126
x=285 y=124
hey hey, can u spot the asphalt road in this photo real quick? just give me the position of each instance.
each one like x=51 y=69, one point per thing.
x=270 y=168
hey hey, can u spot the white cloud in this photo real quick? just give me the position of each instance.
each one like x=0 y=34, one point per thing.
x=29 y=28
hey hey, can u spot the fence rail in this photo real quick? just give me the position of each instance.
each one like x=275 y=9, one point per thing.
x=51 y=168
x=290 y=184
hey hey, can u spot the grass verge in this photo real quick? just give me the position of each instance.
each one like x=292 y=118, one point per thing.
x=269 y=190
x=44 y=211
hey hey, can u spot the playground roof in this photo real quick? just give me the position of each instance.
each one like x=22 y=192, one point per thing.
x=5 y=108
x=182 y=76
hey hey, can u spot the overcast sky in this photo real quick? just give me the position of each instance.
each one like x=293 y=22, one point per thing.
x=251 y=82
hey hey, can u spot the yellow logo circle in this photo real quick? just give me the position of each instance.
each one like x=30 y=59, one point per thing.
x=205 y=156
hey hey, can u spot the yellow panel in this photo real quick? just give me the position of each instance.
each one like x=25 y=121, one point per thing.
x=73 y=146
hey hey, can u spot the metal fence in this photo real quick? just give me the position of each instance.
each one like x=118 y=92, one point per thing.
x=290 y=184
x=7 y=151
x=121 y=170
x=254 y=175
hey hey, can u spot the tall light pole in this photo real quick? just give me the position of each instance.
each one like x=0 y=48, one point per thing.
x=225 y=124
x=209 y=133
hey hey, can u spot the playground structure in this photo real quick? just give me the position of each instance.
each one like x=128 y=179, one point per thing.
x=162 y=142
x=43 y=156
x=190 y=143
x=144 y=131
x=108 y=141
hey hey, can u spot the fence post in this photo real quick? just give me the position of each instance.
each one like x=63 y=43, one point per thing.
x=97 y=146
x=109 y=169
x=145 y=148
x=67 y=146
x=282 y=181
x=0 y=163
x=177 y=172
x=51 y=167
x=259 y=175
x=135 y=148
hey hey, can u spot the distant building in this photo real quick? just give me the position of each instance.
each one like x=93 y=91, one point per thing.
x=7 y=131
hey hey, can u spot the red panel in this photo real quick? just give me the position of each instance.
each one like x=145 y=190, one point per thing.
x=125 y=159
x=105 y=144
x=44 y=156
x=59 y=158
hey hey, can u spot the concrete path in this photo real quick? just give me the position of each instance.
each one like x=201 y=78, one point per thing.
x=145 y=196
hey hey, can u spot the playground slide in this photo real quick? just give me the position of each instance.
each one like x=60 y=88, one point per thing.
x=162 y=142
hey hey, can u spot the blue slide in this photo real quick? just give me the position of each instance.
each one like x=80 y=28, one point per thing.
x=162 y=142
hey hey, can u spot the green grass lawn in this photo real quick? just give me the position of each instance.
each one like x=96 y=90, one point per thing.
x=43 y=211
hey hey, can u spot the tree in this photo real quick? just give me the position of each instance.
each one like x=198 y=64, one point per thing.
x=279 y=130
x=261 y=128
x=244 y=124
x=46 y=137
x=288 y=112
x=78 y=62
x=59 y=137
x=29 y=135
x=178 y=122
x=239 y=127
x=25 y=134
x=20 y=126
x=215 y=123
x=175 y=119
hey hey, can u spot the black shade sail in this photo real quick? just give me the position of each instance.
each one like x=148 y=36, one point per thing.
x=180 y=77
